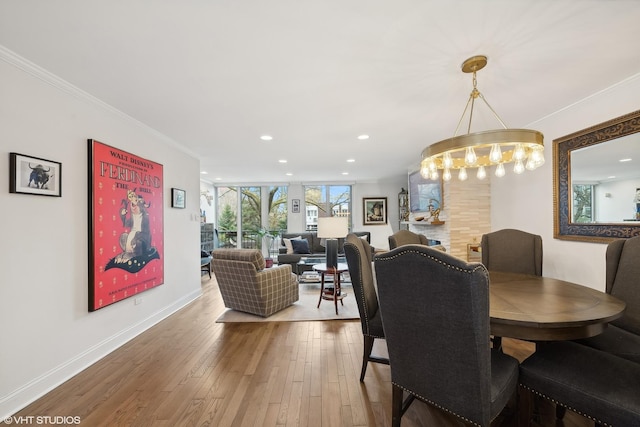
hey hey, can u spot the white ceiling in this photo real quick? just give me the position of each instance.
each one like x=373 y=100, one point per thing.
x=214 y=76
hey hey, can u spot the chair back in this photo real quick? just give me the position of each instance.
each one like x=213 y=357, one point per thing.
x=513 y=251
x=359 y=258
x=435 y=311
x=406 y=237
x=623 y=280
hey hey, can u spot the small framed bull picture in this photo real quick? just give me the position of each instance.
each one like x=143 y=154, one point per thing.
x=32 y=175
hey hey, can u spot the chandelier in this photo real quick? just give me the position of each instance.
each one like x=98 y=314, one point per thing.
x=522 y=147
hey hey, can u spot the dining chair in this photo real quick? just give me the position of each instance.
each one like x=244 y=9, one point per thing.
x=593 y=383
x=359 y=257
x=622 y=336
x=435 y=313
x=406 y=237
x=513 y=251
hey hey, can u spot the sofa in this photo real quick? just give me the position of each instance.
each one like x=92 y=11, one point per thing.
x=246 y=285
x=315 y=248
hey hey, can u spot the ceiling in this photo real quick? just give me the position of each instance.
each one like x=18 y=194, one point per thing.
x=213 y=76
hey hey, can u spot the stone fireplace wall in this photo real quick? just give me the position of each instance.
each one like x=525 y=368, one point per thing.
x=467 y=214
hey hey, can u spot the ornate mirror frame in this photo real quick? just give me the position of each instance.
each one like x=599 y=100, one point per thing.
x=563 y=228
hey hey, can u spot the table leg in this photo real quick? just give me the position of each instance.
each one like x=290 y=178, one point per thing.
x=321 y=288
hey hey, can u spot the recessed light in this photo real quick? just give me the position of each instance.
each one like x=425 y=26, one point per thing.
x=345 y=173
x=289 y=174
x=611 y=177
x=204 y=172
x=624 y=160
x=266 y=137
x=218 y=179
x=351 y=160
x=363 y=137
x=282 y=161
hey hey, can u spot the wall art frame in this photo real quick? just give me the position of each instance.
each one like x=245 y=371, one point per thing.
x=295 y=206
x=34 y=175
x=178 y=198
x=374 y=210
x=126 y=234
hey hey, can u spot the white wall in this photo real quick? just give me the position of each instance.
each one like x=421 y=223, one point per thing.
x=526 y=201
x=47 y=333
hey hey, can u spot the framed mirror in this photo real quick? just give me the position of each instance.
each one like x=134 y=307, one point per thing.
x=596 y=188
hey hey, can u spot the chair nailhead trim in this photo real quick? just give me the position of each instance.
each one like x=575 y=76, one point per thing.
x=436 y=405
x=566 y=406
x=463 y=270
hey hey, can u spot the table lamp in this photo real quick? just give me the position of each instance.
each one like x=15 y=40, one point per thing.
x=332 y=228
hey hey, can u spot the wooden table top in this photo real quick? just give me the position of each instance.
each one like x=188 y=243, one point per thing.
x=541 y=308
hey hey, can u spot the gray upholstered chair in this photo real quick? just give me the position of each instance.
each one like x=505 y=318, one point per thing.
x=435 y=313
x=359 y=257
x=406 y=237
x=598 y=385
x=622 y=336
x=512 y=250
x=245 y=284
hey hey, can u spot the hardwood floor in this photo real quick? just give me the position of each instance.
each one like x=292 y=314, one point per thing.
x=190 y=371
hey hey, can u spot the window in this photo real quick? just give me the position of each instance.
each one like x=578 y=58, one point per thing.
x=326 y=200
x=583 y=203
x=254 y=220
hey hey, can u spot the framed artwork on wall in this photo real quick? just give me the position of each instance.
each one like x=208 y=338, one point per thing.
x=126 y=234
x=178 y=198
x=374 y=210
x=425 y=195
x=33 y=175
x=295 y=206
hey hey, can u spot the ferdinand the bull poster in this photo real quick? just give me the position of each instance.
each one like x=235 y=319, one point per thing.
x=126 y=244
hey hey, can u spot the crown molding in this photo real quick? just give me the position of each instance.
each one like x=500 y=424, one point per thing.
x=40 y=73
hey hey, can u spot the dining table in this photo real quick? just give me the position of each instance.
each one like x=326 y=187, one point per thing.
x=538 y=308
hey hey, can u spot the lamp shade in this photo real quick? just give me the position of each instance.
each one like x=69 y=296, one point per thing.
x=333 y=227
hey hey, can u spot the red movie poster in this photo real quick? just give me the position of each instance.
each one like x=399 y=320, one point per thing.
x=126 y=242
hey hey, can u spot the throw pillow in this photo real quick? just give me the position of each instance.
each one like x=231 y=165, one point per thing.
x=300 y=246
x=287 y=243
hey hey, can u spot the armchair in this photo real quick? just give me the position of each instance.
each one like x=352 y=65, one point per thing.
x=247 y=286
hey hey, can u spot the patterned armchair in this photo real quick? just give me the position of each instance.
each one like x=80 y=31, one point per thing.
x=247 y=286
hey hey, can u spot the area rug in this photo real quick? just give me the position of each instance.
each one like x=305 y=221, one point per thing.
x=303 y=310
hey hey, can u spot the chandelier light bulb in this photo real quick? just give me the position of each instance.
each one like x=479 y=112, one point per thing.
x=519 y=153
x=462 y=174
x=537 y=155
x=495 y=156
x=500 y=170
x=447 y=161
x=446 y=175
x=518 y=167
x=482 y=174
x=434 y=175
x=531 y=164
x=424 y=171
x=470 y=157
